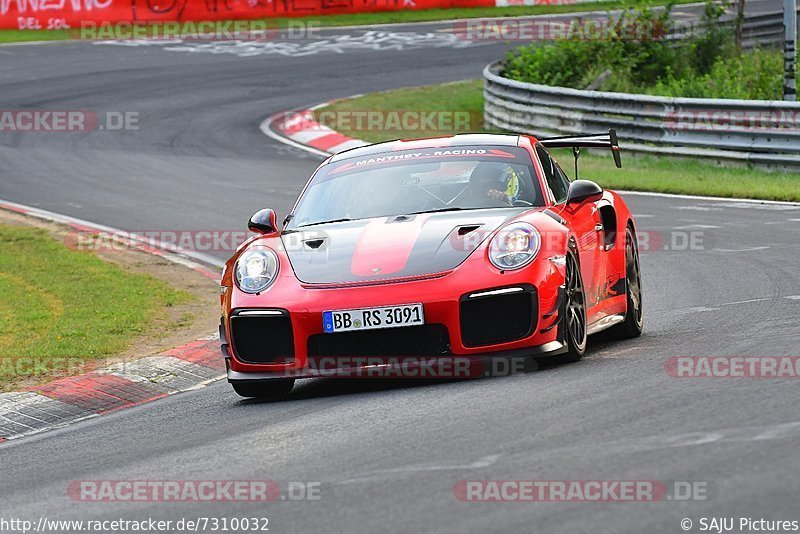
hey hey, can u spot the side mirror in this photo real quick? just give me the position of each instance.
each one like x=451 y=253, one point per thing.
x=263 y=222
x=583 y=190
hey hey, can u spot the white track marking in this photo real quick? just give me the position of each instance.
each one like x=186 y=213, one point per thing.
x=697 y=227
x=373 y=40
x=480 y=463
x=693 y=309
x=19 y=410
x=722 y=199
x=166 y=373
x=730 y=435
x=749 y=249
x=306 y=136
x=716 y=307
x=347 y=145
x=286 y=141
x=698 y=208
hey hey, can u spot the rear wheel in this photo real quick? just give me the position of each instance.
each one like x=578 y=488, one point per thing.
x=575 y=310
x=634 y=320
x=276 y=388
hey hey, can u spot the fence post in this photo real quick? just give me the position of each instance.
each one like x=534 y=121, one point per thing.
x=789 y=49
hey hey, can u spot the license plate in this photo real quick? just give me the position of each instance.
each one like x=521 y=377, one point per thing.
x=372 y=318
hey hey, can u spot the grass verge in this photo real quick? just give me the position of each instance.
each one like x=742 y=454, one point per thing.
x=63 y=311
x=25 y=36
x=639 y=173
x=383 y=17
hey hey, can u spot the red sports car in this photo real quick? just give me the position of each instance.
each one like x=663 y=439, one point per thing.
x=408 y=256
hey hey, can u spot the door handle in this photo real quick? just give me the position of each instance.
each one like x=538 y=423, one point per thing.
x=598 y=227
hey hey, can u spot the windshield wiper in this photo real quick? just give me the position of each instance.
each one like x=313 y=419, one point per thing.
x=324 y=222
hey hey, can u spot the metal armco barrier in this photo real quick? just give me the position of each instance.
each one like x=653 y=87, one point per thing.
x=759 y=132
x=759 y=31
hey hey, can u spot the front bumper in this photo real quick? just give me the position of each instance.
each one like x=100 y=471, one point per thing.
x=468 y=342
x=490 y=364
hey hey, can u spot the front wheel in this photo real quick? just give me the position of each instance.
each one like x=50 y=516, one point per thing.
x=575 y=310
x=274 y=389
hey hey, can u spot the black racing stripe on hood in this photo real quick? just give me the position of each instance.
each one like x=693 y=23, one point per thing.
x=437 y=248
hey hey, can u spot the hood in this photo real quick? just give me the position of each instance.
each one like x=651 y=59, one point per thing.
x=390 y=247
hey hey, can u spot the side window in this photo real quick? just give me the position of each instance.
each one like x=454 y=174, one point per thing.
x=556 y=179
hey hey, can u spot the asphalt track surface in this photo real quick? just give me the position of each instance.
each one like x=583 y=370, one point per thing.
x=388 y=453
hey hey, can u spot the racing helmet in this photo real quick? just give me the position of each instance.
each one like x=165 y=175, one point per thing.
x=495 y=175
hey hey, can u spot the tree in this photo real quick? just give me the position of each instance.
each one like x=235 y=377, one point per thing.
x=739 y=24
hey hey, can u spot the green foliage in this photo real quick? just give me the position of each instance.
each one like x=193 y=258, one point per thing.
x=714 y=41
x=756 y=75
x=641 y=61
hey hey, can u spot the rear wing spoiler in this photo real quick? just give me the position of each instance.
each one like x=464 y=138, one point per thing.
x=576 y=142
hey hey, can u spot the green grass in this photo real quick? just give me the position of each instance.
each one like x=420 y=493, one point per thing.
x=384 y=17
x=689 y=177
x=24 y=36
x=640 y=173
x=60 y=306
x=465 y=98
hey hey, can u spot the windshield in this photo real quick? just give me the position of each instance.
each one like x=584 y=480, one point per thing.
x=397 y=183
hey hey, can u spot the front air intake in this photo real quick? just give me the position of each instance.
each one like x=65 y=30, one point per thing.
x=262 y=336
x=498 y=315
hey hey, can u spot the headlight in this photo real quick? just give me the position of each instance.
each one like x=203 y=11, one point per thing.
x=256 y=269
x=514 y=246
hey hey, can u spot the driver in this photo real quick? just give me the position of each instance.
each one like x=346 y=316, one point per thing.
x=490 y=180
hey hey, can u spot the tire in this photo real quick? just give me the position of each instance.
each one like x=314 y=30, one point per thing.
x=277 y=388
x=575 y=306
x=632 y=326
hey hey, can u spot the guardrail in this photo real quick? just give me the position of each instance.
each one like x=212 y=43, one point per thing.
x=761 y=30
x=758 y=132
